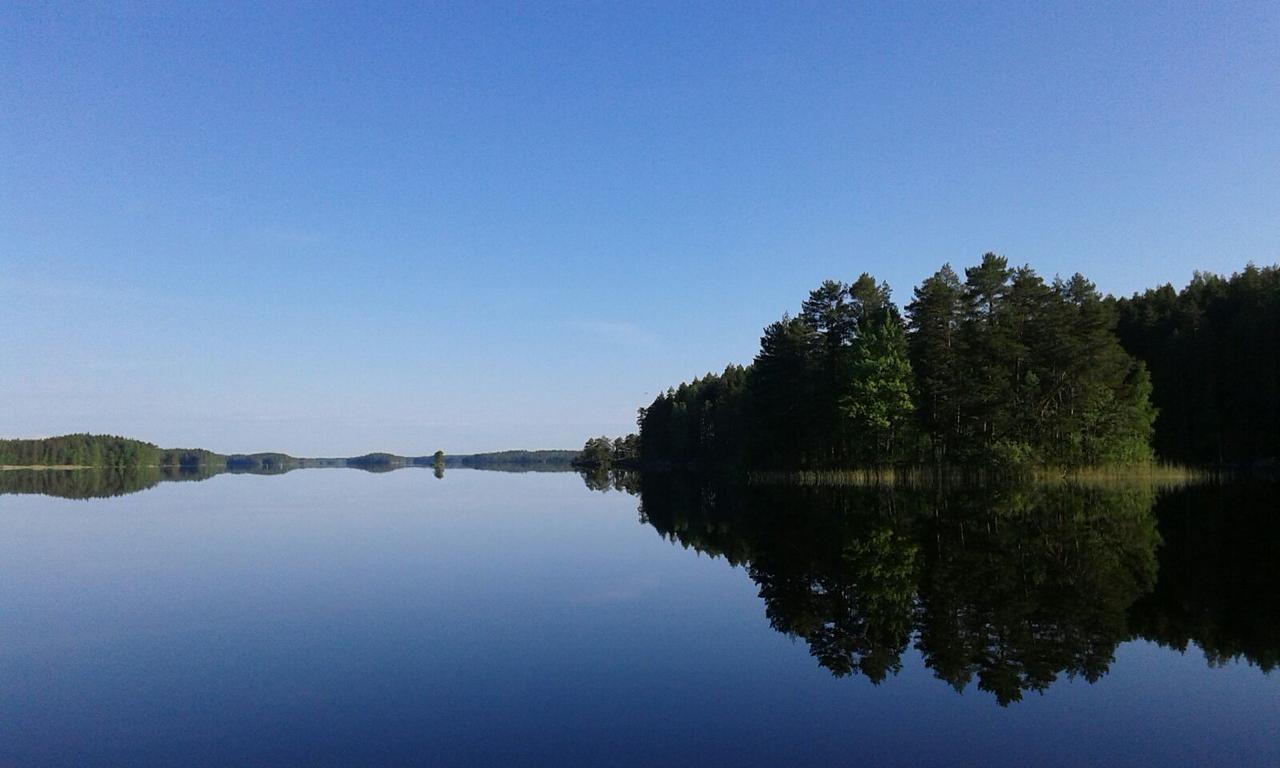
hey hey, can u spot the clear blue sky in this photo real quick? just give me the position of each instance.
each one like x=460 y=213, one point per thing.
x=326 y=229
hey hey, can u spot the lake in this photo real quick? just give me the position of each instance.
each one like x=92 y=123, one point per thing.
x=337 y=617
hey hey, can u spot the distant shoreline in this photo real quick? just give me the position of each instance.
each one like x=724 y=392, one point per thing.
x=88 y=451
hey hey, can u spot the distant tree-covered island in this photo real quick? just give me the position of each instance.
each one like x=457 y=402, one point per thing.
x=108 y=451
x=109 y=465
x=102 y=451
x=998 y=368
x=603 y=453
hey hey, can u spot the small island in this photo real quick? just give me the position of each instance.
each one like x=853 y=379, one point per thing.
x=93 y=466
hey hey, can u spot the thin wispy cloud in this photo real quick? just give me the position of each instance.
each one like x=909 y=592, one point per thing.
x=616 y=332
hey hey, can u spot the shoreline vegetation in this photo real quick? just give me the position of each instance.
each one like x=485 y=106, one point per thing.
x=999 y=375
x=85 y=466
x=995 y=373
x=111 y=452
x=1147 y=473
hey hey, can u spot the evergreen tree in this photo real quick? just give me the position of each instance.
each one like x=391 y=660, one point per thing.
x=781 y=394
x=1002 y=368
x=831 y=316
x=1213 y=350
x=877 y=402
x=989 y=354
x=936 y=314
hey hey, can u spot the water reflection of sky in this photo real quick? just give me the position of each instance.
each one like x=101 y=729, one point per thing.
x=332 y=617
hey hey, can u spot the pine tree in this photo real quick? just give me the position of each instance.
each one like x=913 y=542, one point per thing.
x=988 y=357
x=780 y=392
x=936 y=314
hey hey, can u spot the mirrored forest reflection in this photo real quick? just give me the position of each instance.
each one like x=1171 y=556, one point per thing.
x=105 y=482
x=121 y=477
x=1005 y=588
x=99 y=482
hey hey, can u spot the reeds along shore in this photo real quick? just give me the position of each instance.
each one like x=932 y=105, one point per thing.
x=1156 y=473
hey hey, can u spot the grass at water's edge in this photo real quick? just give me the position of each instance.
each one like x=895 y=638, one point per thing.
x=46 y=466
x=1150 y=473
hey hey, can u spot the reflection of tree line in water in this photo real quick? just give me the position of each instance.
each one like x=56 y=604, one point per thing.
x=104 y=482
x=98 y=482
x=1008 y=587
x=603 y=478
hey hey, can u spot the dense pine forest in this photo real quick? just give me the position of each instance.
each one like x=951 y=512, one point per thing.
x=996 y=368
x=108 y=451
x=114 y=452
x=1213 y=351
x=518 y=460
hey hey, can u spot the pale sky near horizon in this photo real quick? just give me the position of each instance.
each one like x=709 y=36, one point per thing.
x=329 y=229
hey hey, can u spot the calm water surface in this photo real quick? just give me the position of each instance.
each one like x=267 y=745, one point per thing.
x=334 y=617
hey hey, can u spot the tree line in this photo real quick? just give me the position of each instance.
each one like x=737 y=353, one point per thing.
x=1213 y=350
x=114 y=452
x=603 y=453
x=97 y=482
x=109 y=451
x=997 y=367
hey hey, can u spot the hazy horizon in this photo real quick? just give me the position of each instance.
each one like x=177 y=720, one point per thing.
x=352 y=230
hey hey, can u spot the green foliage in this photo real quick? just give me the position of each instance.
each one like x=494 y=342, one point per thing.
x=602 y=453
x=787 y=418
x=700 y=423
x=875 y=404
x=598 y=451
x=999 y=370
x=379 y=462
x=517 y=461
x=262 y=463
x=135 y=465
x=1213 y=352
x=79 y=450
x=936 y=316
x=1016 y=372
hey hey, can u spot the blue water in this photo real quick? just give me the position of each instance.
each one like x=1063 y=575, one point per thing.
x=334 y=617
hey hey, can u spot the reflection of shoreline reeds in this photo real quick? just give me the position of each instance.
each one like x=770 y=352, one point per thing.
x=1147 y=473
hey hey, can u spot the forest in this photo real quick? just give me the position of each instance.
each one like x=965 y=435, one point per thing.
x=603 y=453
x=515 y=460
x=1213 y=352
x=114 y=452
x=106 y=465
x=109 y=451
x=996 y=368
